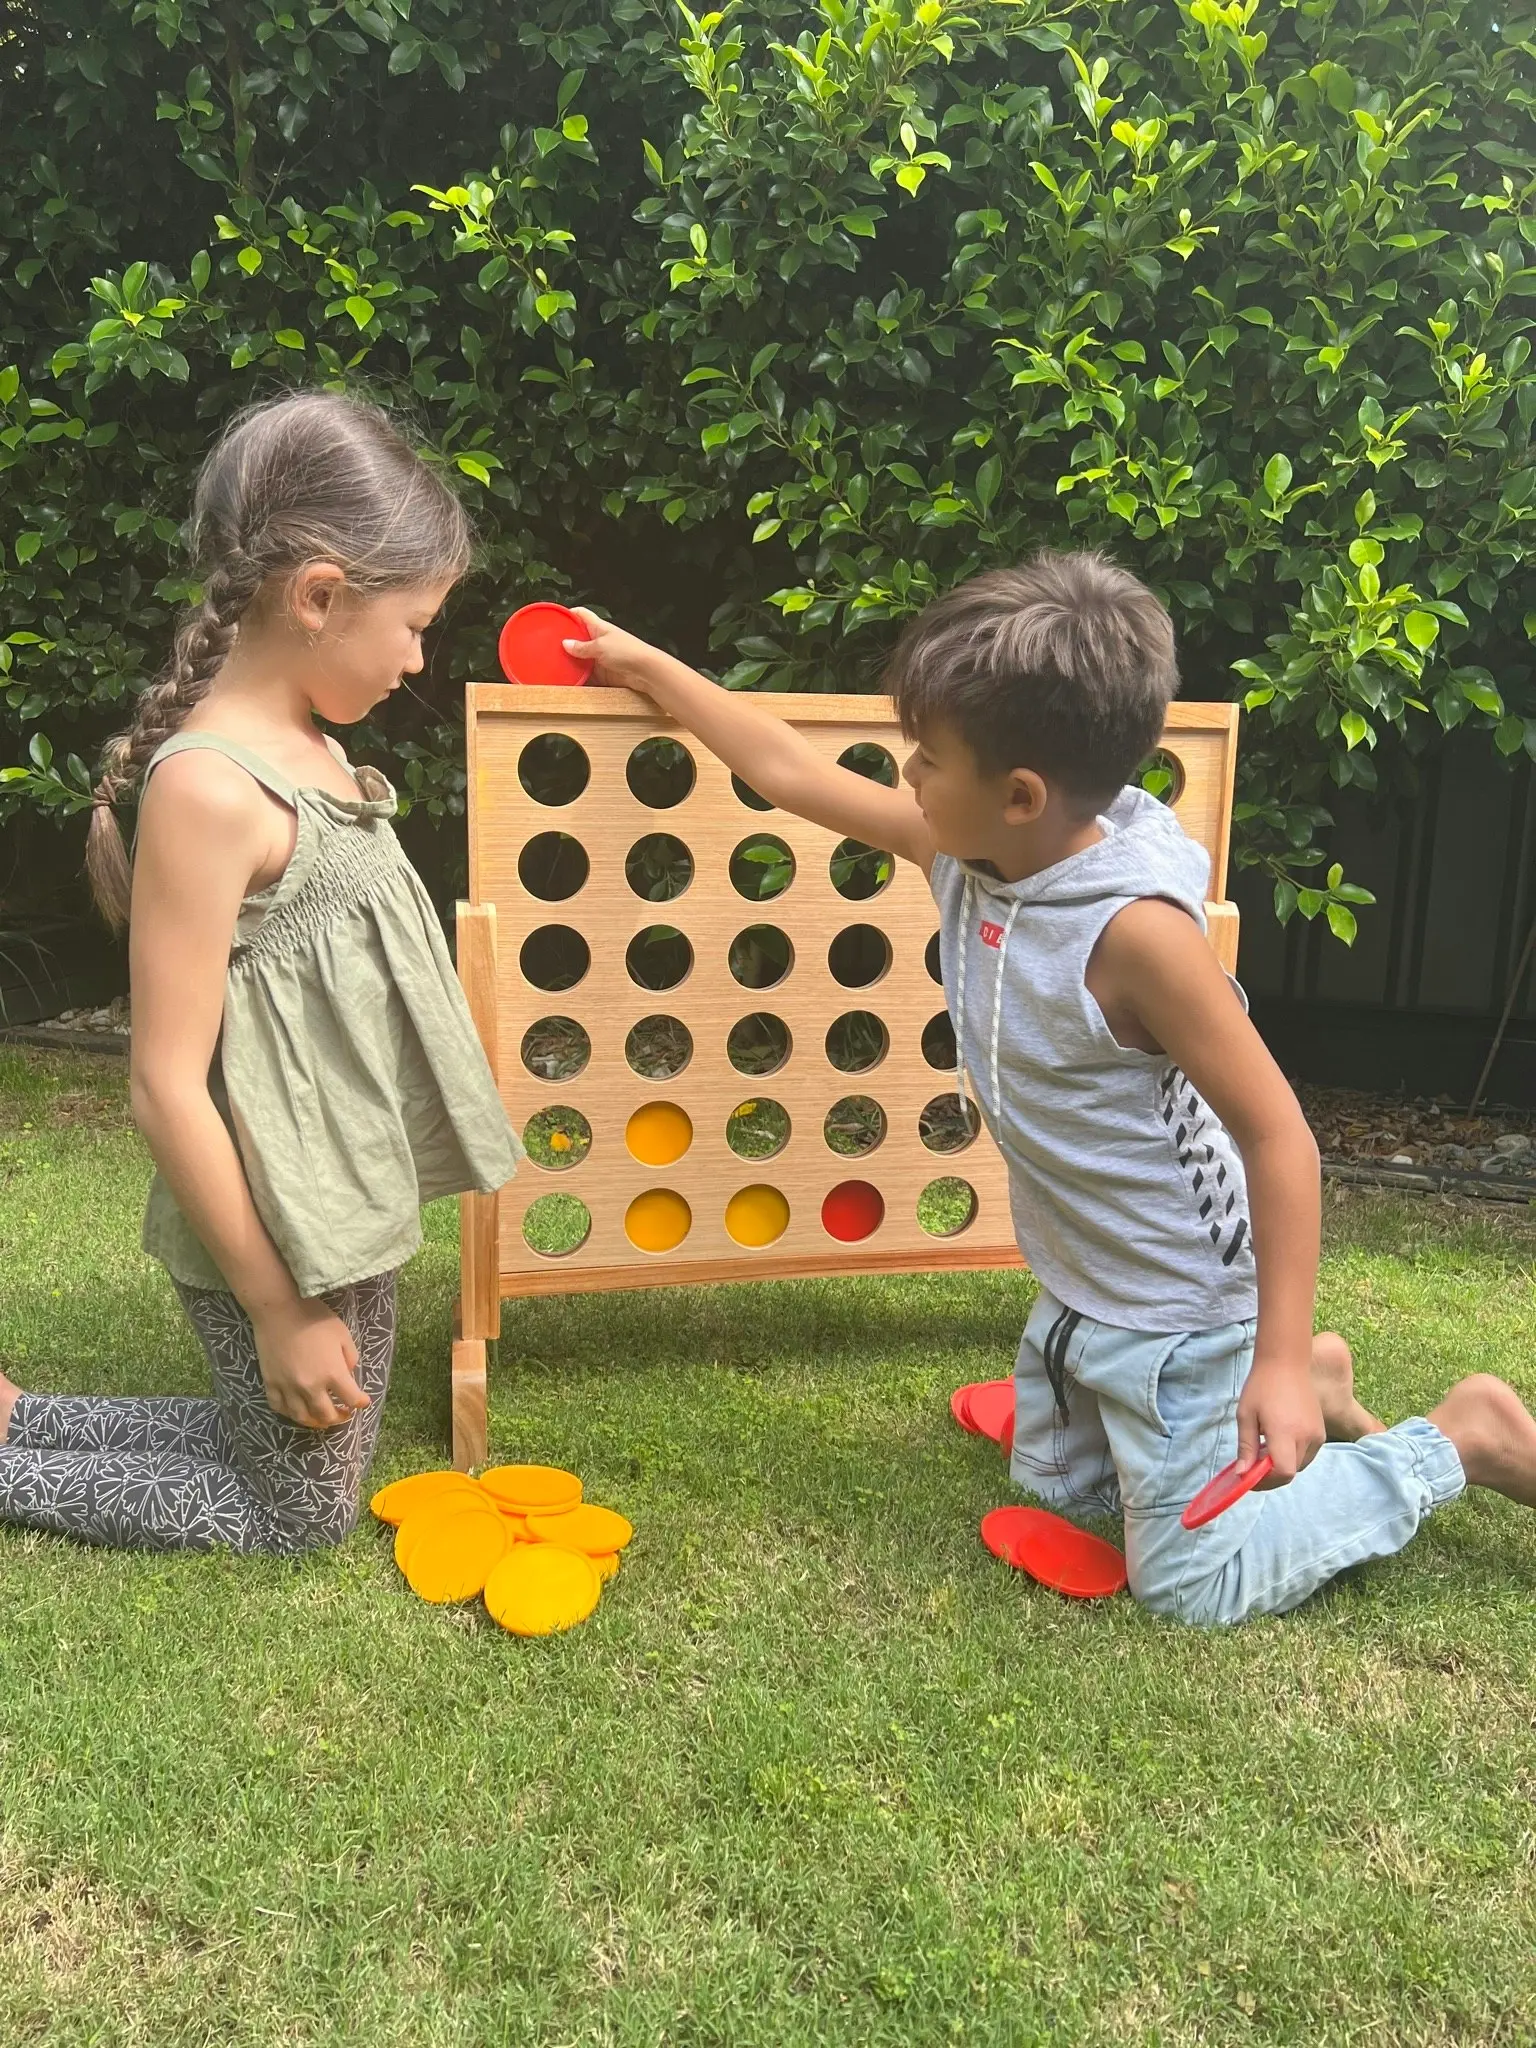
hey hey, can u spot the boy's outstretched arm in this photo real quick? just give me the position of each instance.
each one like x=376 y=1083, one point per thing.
x=1161 y=987
x=766 y=752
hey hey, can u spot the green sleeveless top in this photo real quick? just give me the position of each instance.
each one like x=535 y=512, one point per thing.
x=348 y=1069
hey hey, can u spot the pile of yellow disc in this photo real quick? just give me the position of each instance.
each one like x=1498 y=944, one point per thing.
x=519 y=1534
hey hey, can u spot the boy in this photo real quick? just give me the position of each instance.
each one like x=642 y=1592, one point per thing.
x=1164 y=1183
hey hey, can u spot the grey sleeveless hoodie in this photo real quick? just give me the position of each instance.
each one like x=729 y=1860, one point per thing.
x=1128 y=1194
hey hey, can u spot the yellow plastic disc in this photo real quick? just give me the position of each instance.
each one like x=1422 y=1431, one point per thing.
x=433 y=1514
x=393 y=1503
x=540 y=1489
x=657 y=1221
x=659 y=1133
x=607 y=1565
x=538 y=1588
x=453 y=1560
x=756 y=1216
x=597 y=1531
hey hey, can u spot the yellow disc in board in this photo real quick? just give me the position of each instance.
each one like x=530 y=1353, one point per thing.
x=525 y=1489
x=596 y=1531
x=453 y=1559
x=659 y=1133
x=393 y=1503
x=657 y=1221
x=538 y=1588
x=756 y=1216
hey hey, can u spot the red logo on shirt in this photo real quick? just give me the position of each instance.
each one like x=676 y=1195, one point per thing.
x=991 y=934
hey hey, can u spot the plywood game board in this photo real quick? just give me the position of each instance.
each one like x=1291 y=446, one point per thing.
x=526 y=743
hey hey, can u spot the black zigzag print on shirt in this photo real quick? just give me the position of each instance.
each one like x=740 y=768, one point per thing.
x=1209 y=1161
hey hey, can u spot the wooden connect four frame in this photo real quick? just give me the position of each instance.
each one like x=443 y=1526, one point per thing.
x=712 y=821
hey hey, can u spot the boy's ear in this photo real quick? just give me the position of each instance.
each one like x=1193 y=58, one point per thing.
x=1025 y=798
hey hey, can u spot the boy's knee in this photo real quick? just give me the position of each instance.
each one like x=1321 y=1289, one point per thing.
x=1211 y=1601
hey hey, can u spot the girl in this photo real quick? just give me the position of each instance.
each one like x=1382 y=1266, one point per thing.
x=304 y=1066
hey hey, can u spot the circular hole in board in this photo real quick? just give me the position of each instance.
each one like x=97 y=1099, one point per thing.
x=931 y=960
x=749 y=796
x=946 y=1207
x=1162 y=775
x=555 y=1048
x=859 y=956
x=658 y=867
x=659 y=1133
x=558 y=1137
x=659 y=957
x=859 y=871
x=556 y=1225
x=947 y=1125
x=756 y=1216
x=865 y=758
x=757 y=1128
x=853 y=1210
x=657 y=1221
x=857 y=1041
x=554 y=957
x=660 y=773
x=759 y=1044
x=659 y=1047
x=939 y=1043
x=553 y=769
x=761 y=956
x=854 y=1126
x=553 y=866
x=761 y=867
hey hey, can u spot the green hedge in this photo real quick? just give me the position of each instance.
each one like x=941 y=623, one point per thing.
x=759 y=327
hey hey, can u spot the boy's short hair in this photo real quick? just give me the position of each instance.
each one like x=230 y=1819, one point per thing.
x=1065 y=665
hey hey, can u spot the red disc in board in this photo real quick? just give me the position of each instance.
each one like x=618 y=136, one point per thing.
x=990 y=1406
x=960 y=1408
x=1066 y=1558
x=531 y=648
x=1228 y=1487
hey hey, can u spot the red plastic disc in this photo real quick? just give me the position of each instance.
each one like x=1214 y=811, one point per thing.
x=960 y=1408
x=531 y=648
x=1229 y=1486
x=990 y=1406
x=854 y=1209
x=1056 y=1552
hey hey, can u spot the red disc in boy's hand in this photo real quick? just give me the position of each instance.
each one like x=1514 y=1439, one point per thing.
x=1229 y=1486
x=532 y=646
x=1056 y=1552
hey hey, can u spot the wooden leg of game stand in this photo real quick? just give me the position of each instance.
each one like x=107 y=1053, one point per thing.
x=1222 y=920
x=477 y=1318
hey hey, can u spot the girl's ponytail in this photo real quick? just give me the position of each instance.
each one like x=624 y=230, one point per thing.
x=312 y=477
x=202 y=645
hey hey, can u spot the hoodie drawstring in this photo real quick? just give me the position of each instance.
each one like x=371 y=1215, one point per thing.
x=997 y=1013
x=967 y=898
x=967 y=911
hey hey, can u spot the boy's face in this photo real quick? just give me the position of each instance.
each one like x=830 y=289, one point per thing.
x=966 y=811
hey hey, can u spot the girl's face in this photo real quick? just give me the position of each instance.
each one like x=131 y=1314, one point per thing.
x=365 y=646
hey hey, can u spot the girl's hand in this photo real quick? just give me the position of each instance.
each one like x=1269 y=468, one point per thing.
x=309 y=1365
x=617 y=657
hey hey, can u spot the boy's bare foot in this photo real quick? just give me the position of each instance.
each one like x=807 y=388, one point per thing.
x=8 y=1396
x=1494 y=1434
x=1333 y=1381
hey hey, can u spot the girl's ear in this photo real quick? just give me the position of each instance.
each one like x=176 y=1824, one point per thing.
x=313 y=593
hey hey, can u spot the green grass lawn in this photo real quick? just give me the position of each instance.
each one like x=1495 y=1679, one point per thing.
x=818 y=1770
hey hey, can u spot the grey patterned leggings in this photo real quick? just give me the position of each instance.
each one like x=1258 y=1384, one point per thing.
x=174 y=1473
